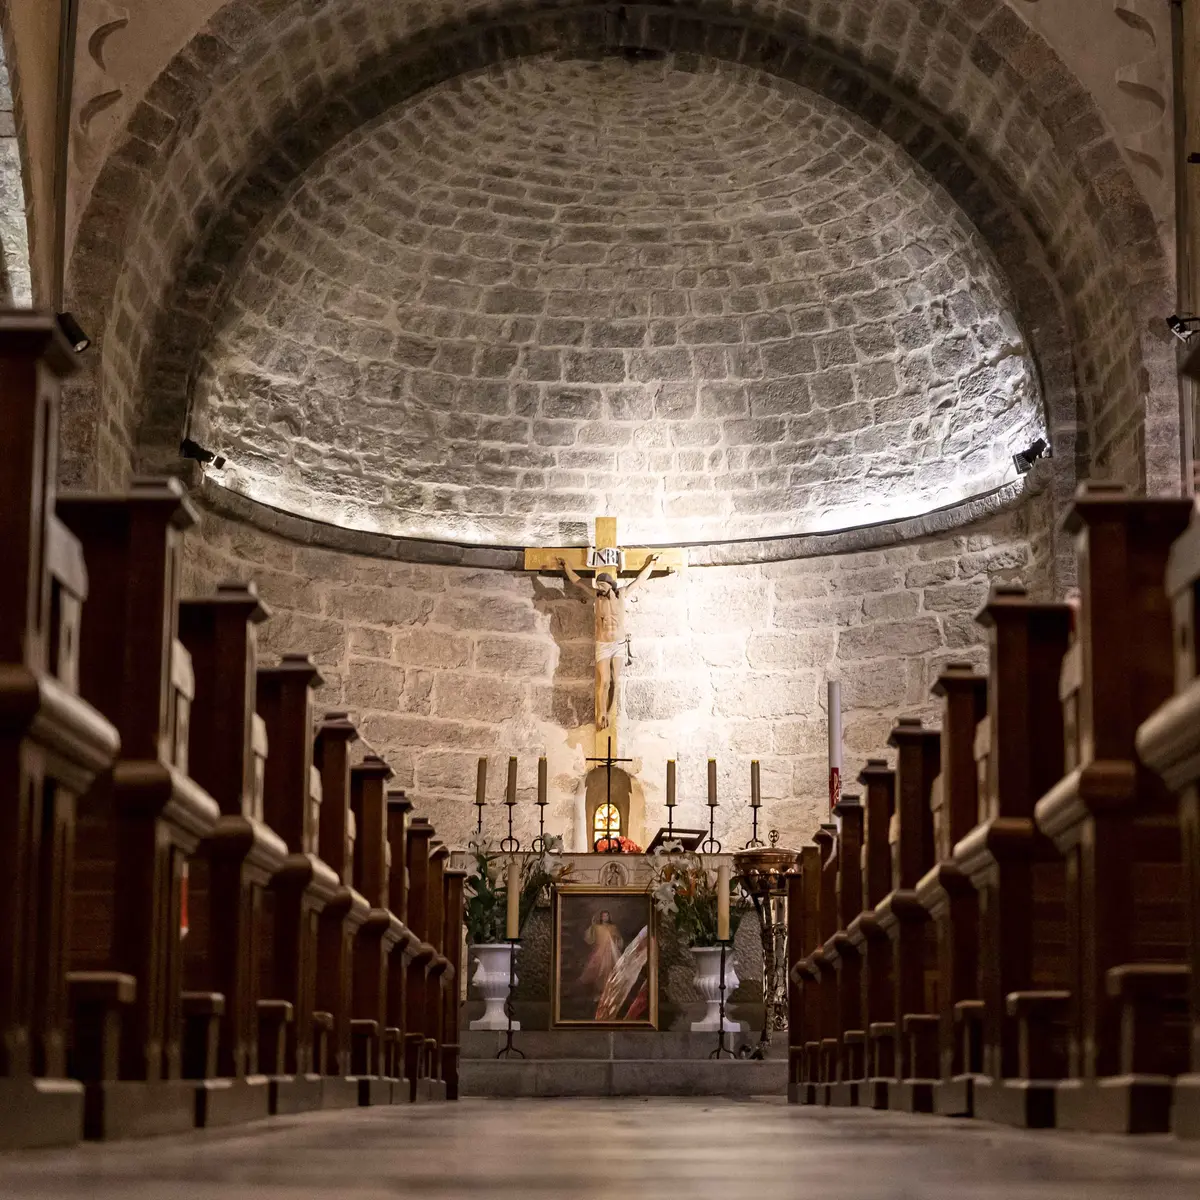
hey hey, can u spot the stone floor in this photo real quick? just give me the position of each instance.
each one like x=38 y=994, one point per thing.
x=611 y=1150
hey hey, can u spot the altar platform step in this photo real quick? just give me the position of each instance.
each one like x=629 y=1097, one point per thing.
x=587 y=1062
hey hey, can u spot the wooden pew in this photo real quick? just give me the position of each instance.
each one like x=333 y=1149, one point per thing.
x=847 y=958
x=803 y=1065
x=906 y=921
x=436 y=982
x=796 y=951
x=52 y=744
x=235 y=865
x=379 y=934
x=1169 y=742
x=877 y=1022
x=948 y=894
x=343 y=916
x=820 y=984
x=300 y=889
x=140 y=821
x=416 y=1069
x=453 y=882
x=1117 y=824
x=1018 y=875
x=399 y=807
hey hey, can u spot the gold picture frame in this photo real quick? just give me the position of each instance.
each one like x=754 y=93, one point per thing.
x=605 y=958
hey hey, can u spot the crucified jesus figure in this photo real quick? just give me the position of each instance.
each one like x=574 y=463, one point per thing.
x=609 y=598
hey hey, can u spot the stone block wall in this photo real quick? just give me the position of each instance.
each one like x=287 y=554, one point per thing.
x=441 y=664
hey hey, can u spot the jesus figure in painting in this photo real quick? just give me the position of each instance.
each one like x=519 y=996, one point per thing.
x=607 y=946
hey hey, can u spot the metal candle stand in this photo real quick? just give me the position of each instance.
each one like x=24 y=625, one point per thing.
x=710 y=845
x=722 y=1049
x=538 y=845
x=510 y=845
x=754 y=843
x=508 y=1050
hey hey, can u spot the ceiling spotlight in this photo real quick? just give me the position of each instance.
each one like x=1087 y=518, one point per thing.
x=1184 y=328
x=73 y=333
x=190 y=449
x=1025 y=460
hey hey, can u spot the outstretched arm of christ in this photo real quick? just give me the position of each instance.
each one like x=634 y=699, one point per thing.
x=570 y=574
x=643 y=574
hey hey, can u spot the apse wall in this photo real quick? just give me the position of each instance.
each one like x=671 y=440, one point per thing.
x=441 y=664
x=686 y=293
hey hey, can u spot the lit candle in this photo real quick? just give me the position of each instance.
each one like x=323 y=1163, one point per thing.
x=723 y=902
x=542 y=780
x=670 y=783
x=511 y=795
x=481 y=782
x=712 y=783
x=513 y=923
x=755 y=785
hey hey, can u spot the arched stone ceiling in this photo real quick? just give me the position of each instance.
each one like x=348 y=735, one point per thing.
x=967 y=88
x=703 y=300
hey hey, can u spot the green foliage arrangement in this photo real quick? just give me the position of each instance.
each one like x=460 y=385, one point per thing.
x=486 y=908
x=685 y=893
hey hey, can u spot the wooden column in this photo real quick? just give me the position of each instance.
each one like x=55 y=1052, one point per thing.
x=142 y=820
x=948 y=894
x=344 y=915
x=1117 y=824
x=52 y=744
x=300 y=889
x=906 y=921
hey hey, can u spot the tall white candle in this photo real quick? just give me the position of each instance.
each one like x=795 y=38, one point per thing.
x=755 y=785
x=835 y=742
x=481 y=782
x=670 y=783
x=511 y=794
x=513 y=923
x=723 y=902
x=712 y=783
x=542 y=780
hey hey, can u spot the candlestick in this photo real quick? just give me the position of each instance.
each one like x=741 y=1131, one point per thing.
x=481 y=782
x=510 y=796
x=834 y=697
x=723 y=902
x=712 y=783
x=755 y=785
x=513 y=922
x=670 y=783
x=541 y=799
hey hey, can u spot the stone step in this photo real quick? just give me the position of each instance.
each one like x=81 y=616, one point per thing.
x=606 y=1044
x=531 y=1077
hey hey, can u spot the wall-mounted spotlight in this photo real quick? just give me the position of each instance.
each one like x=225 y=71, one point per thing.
x=73 y=332
x=1026 y=458
x=190 y=449
x=1184 y=328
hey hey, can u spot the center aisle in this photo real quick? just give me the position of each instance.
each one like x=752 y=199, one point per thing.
x=601 y=1149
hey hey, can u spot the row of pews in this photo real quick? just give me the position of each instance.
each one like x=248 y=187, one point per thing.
x=1007 y=923
x=212 y=909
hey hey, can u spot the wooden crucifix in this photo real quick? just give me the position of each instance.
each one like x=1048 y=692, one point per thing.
x=605 y=561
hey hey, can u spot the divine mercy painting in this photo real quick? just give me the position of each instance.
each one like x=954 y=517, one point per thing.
x=605 y=958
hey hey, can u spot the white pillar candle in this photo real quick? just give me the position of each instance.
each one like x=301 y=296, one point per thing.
x=712 y=783
x=513 y=924
x=723 y=902
x=481 y=782
x=670 y=783
x=511 y=795
x=542 y=780
x=755 y=785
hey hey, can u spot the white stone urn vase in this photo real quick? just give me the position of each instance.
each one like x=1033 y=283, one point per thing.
x=493 y=978
x=708 y=981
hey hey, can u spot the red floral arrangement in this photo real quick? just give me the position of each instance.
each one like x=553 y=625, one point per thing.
x=618 y=844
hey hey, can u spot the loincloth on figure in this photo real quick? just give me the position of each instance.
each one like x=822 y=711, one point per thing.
x=607 y=650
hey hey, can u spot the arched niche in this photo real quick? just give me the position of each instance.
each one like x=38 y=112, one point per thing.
x=626 y=797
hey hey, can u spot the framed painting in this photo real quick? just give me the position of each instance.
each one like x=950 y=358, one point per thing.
x=605 y=957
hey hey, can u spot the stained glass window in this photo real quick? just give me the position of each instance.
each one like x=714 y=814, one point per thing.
x=606 y=821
